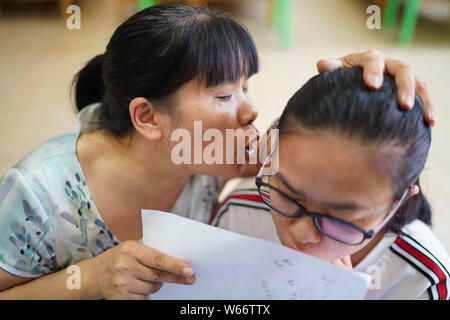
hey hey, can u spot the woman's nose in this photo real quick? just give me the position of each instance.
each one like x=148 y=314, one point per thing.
x=304 y=231
x=247 y=113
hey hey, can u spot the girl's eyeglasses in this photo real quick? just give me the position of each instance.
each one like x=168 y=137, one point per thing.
x=334 y=228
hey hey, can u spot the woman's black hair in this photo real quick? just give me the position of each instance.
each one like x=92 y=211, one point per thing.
x=155 y=52
x=339 y=101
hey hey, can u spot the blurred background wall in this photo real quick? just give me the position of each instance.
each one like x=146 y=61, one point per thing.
x=39 y=56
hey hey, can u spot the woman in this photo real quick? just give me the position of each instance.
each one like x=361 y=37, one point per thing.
x=347 y=188
x=77 y=198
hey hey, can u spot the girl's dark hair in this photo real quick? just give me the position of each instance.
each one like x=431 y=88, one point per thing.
x=155 y=52
x=340 y=101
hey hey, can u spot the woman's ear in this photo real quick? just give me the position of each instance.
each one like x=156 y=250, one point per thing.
x=145 y=118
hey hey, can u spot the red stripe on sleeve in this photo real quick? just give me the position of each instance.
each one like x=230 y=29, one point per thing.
x=250 y=197
x=427 y=262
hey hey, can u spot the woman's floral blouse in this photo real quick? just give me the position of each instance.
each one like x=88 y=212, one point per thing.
x=48 y=219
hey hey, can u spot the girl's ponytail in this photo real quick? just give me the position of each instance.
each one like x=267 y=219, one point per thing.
x=88 y=83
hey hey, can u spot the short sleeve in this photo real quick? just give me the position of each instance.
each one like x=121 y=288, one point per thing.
x=27 y=243
x=244 y=212
x=199 y=198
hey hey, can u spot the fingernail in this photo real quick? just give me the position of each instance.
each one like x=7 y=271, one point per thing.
x=190 y=280
x=408 y=100
x=432 y=117
x=187 y=272
x=337 y=63
x=376 y=81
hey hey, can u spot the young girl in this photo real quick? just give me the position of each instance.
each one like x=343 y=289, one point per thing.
x=347 y=188
x=77 y=198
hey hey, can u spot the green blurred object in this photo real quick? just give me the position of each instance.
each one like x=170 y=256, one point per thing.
x=390 y=13
x=142 y=4
x=408 y=21
x=281 y=19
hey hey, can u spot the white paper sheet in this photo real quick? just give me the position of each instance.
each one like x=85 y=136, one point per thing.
x=231 y=266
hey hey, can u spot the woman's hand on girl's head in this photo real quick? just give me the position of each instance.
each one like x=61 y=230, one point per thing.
x=374 y=64
x=132 y=270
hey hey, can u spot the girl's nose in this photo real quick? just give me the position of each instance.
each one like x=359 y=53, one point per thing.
x=247 y=113
x=304 y=231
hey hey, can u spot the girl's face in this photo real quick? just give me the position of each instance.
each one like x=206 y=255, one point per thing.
x=226 y=106
x=332 y=175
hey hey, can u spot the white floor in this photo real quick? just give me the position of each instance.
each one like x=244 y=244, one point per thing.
x=39 y=56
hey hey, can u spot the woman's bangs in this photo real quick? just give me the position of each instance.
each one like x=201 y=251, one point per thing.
x=227 y=53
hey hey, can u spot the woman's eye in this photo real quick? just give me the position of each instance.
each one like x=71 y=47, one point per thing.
x=245 y=90
x=225 y=98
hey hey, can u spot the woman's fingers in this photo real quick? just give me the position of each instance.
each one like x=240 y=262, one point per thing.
x=425 y=96
x=373 y=70
x=145 y=288
x=371 y=61
x=374 y=64
x=408 y=85
x=405 y=81
x=150 y=274
x=131 y=268
x=134 y=296
x=158 y=260
x=328 y=65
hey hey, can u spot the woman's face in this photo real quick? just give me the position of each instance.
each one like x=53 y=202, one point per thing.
x=221 y=108
x=332 y=175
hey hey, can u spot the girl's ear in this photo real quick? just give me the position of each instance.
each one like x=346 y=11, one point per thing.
x=414 y=190
x=145 y=119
